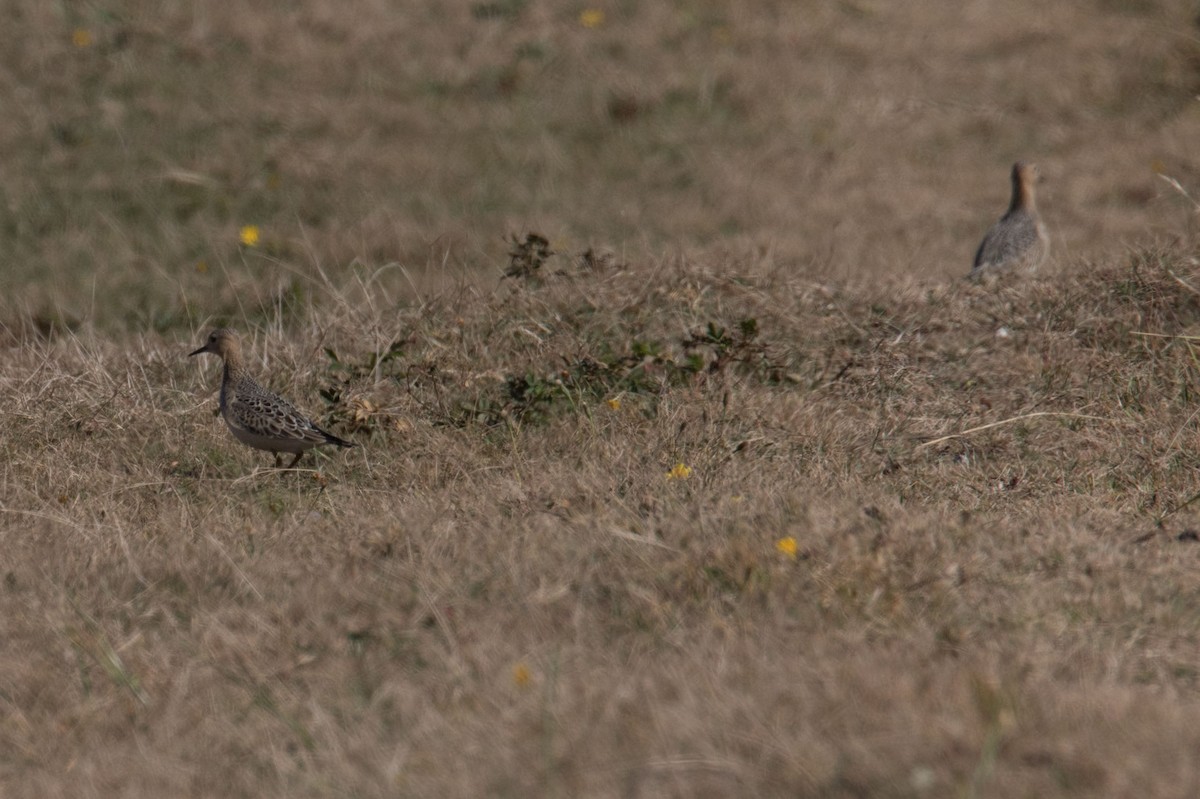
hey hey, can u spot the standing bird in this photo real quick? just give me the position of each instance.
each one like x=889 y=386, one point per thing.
x=259 y=418
x=1019 y=239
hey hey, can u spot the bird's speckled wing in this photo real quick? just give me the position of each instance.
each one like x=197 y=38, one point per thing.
x=262 y=413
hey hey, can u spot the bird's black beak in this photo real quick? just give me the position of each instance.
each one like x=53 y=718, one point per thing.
x=197 y=352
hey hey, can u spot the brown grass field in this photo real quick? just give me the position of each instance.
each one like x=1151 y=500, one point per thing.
x=742 y=491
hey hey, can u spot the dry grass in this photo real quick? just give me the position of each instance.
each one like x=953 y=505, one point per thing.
x=927 y=539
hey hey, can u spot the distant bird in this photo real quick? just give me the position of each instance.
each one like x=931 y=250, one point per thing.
x=257 y=417
x=1019 y=239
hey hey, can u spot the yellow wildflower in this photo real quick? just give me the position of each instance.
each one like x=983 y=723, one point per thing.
x=521 y=675
x=81 y=37
x=681 y=471
x=787 y=546
x=614 y=403
x=201 y=267
x=591 y=18
x=249 y=235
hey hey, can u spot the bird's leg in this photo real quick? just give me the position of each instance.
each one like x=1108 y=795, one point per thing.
x=296 y=460
x=278 y=460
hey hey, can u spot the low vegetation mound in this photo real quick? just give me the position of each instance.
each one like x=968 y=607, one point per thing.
x=669 y=528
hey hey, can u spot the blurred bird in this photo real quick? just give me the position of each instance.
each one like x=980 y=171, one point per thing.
x=1019 y=239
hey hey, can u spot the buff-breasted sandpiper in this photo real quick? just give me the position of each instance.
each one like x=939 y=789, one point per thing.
x=1019 y=239
x=257 y=417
